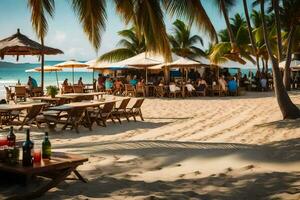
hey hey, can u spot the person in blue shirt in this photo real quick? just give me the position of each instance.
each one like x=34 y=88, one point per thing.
x=232 y=86
x=108 y=85
x=133 y=81
x=32 y=83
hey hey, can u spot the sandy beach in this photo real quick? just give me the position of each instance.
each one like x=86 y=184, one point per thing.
x=196 y=148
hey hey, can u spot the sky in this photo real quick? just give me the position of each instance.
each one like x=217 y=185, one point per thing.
x=65 y=31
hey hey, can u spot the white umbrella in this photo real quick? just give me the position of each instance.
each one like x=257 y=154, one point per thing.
x=46 y=69
x=295 y=65
x=71 y=64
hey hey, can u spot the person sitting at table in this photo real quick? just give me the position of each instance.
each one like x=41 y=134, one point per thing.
x=133 y=81
x=263 y=83
x=31 y=85
x=140 y=87
x=189 y=86
x=101 y=81
x=108 y=85
x=201 y=85
x=161 y=83
x=65 y=83
x=80 y=83
x=222 y=83
x=232 y=86
x=118 y=85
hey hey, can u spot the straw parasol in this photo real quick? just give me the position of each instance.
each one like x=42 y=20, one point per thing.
x=71 y=64
x=20 y=45
x=47 y=69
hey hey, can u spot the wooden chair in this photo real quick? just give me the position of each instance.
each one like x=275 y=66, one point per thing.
x=9 y=94
x=78 y=89
x=74 y=119
x=159 y=91
x=67 y=89
x=31 y=116
x=121 y=110
x=129 y=90
x=140 y=90
x=101 y=115
x=37 y=92
x=136 y=110
x=20 y=93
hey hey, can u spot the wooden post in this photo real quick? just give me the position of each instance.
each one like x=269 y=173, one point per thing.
x=42 y=66
x=167 y=74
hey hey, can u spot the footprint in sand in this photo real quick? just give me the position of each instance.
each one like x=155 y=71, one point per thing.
x=182 y=175
x=197 y=172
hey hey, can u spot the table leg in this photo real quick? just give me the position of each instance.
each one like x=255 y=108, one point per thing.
x=79 y=176
x=43 y=189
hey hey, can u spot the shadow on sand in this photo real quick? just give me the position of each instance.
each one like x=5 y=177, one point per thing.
x=254 y=186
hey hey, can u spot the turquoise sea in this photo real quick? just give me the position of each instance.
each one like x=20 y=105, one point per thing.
x=10 y=73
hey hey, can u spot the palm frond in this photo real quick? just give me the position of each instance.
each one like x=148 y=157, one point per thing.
x=92 y=16
x=218 y=51
x=117 y=55
x=39 y=11
x=193 y=11
x=149 y=20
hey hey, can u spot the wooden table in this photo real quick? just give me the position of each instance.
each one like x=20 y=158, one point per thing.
x=57 y=169
x=75 y=105
x=81 y=95
x=8 y=108
x=83 y=104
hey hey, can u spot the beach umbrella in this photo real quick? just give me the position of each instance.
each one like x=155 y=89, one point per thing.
x=20 y=45
x=71 y=64
x=47 y=69
x=181 y=62
x=145 y=61
x=294 y=64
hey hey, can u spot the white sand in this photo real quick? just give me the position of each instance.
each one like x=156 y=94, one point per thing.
x=198 y=148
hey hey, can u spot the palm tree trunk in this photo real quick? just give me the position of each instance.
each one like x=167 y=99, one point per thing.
x=287 y=69
x=229 y=30
x=263 y=64
x=287 y=108
x=278 y=29
x=42 y=65
x=254 y=48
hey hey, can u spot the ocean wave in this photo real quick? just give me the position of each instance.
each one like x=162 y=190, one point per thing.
x=7 y=81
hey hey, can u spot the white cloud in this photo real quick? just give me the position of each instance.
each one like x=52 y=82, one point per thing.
x=59 y=36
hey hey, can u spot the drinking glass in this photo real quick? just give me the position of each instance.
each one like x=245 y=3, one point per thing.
x=37 y=155
x=3 y=141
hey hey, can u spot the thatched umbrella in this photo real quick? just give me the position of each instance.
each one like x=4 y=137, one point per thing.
x=71 y=64
x=47 y=69
x=20 y=45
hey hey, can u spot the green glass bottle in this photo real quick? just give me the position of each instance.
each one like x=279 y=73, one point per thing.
x=11 y=138
x=46 y=147
x=27 y=149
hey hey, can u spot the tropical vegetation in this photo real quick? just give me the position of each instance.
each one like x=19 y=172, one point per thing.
x=267 y=39
x=131 y=45
x=183 y=43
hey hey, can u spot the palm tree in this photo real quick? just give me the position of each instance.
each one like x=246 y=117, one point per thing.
x=224 y=6
x=131 y=45
x=146 y=16
x=40 y=9
x=288 y=109
x=249 y=28
x=182 y=43
x=289 y=17
x=221 y=52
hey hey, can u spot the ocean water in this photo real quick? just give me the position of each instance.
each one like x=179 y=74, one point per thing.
x=10 y=73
